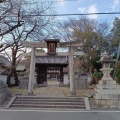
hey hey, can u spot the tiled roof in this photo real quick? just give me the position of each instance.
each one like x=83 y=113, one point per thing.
x=4 y=61
x=52 y=59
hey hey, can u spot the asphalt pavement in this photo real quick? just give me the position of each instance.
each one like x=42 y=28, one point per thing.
x=58 y=115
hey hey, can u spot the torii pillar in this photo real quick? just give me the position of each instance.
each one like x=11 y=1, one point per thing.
x=32 y=71
x=71 y=73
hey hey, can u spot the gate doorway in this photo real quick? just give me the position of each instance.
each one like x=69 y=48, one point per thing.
x=53 y=75
x=50 y=74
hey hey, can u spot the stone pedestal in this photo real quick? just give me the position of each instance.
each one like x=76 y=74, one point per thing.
x=107 y=91
x=107 y=94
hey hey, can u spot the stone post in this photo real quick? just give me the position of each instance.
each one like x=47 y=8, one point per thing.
x=32 y=71
x=71 y=73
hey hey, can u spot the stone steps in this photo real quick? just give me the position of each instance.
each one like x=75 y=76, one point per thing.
x=49 y=98
x=48 y=102
x=39 y=97
x=54 y=103
x=48 y=106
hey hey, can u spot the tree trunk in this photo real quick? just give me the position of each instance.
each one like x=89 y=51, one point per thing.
x=9 y=78
x=91 y=75
x=16 y=77
x=14 y=51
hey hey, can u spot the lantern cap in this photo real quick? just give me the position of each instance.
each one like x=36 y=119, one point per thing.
x=106 y=58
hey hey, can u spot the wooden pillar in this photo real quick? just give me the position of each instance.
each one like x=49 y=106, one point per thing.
x=32 y=73
x=61 y=74
x=71 y=73
x=45 y=75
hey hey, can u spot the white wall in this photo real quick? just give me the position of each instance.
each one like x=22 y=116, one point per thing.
x=4 y=79
x=65 y=79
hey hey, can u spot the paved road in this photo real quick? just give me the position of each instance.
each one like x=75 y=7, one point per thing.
x=58 y=115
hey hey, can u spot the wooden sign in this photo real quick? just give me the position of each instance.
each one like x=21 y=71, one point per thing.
x=51 y=46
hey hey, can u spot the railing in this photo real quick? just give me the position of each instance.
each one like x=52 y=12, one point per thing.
x=23 y=94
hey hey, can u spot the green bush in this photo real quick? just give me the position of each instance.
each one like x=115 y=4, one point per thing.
x=117 y=74
x=98 y=75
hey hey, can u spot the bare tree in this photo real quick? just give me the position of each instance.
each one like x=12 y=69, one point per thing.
x=31 y=26
x=6 y=13
x=6 y=22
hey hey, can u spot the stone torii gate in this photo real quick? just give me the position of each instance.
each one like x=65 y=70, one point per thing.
x=70 y=54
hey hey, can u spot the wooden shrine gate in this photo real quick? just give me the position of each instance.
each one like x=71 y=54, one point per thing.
x=51 y=45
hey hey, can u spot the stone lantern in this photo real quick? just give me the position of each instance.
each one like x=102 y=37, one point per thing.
x=107 y=91
x=106 y=70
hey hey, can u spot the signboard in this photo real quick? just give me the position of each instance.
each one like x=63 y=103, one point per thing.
x=51 y=48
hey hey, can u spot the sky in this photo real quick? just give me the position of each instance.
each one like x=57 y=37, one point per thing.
x=88 y=6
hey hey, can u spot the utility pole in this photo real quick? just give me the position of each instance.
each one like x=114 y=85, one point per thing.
x=117 y=58
x=118 y=52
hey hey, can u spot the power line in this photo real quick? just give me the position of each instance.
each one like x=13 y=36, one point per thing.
x=74 y=14
x=65 y=14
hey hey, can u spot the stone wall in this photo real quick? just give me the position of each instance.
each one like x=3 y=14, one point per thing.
x=4 y=92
